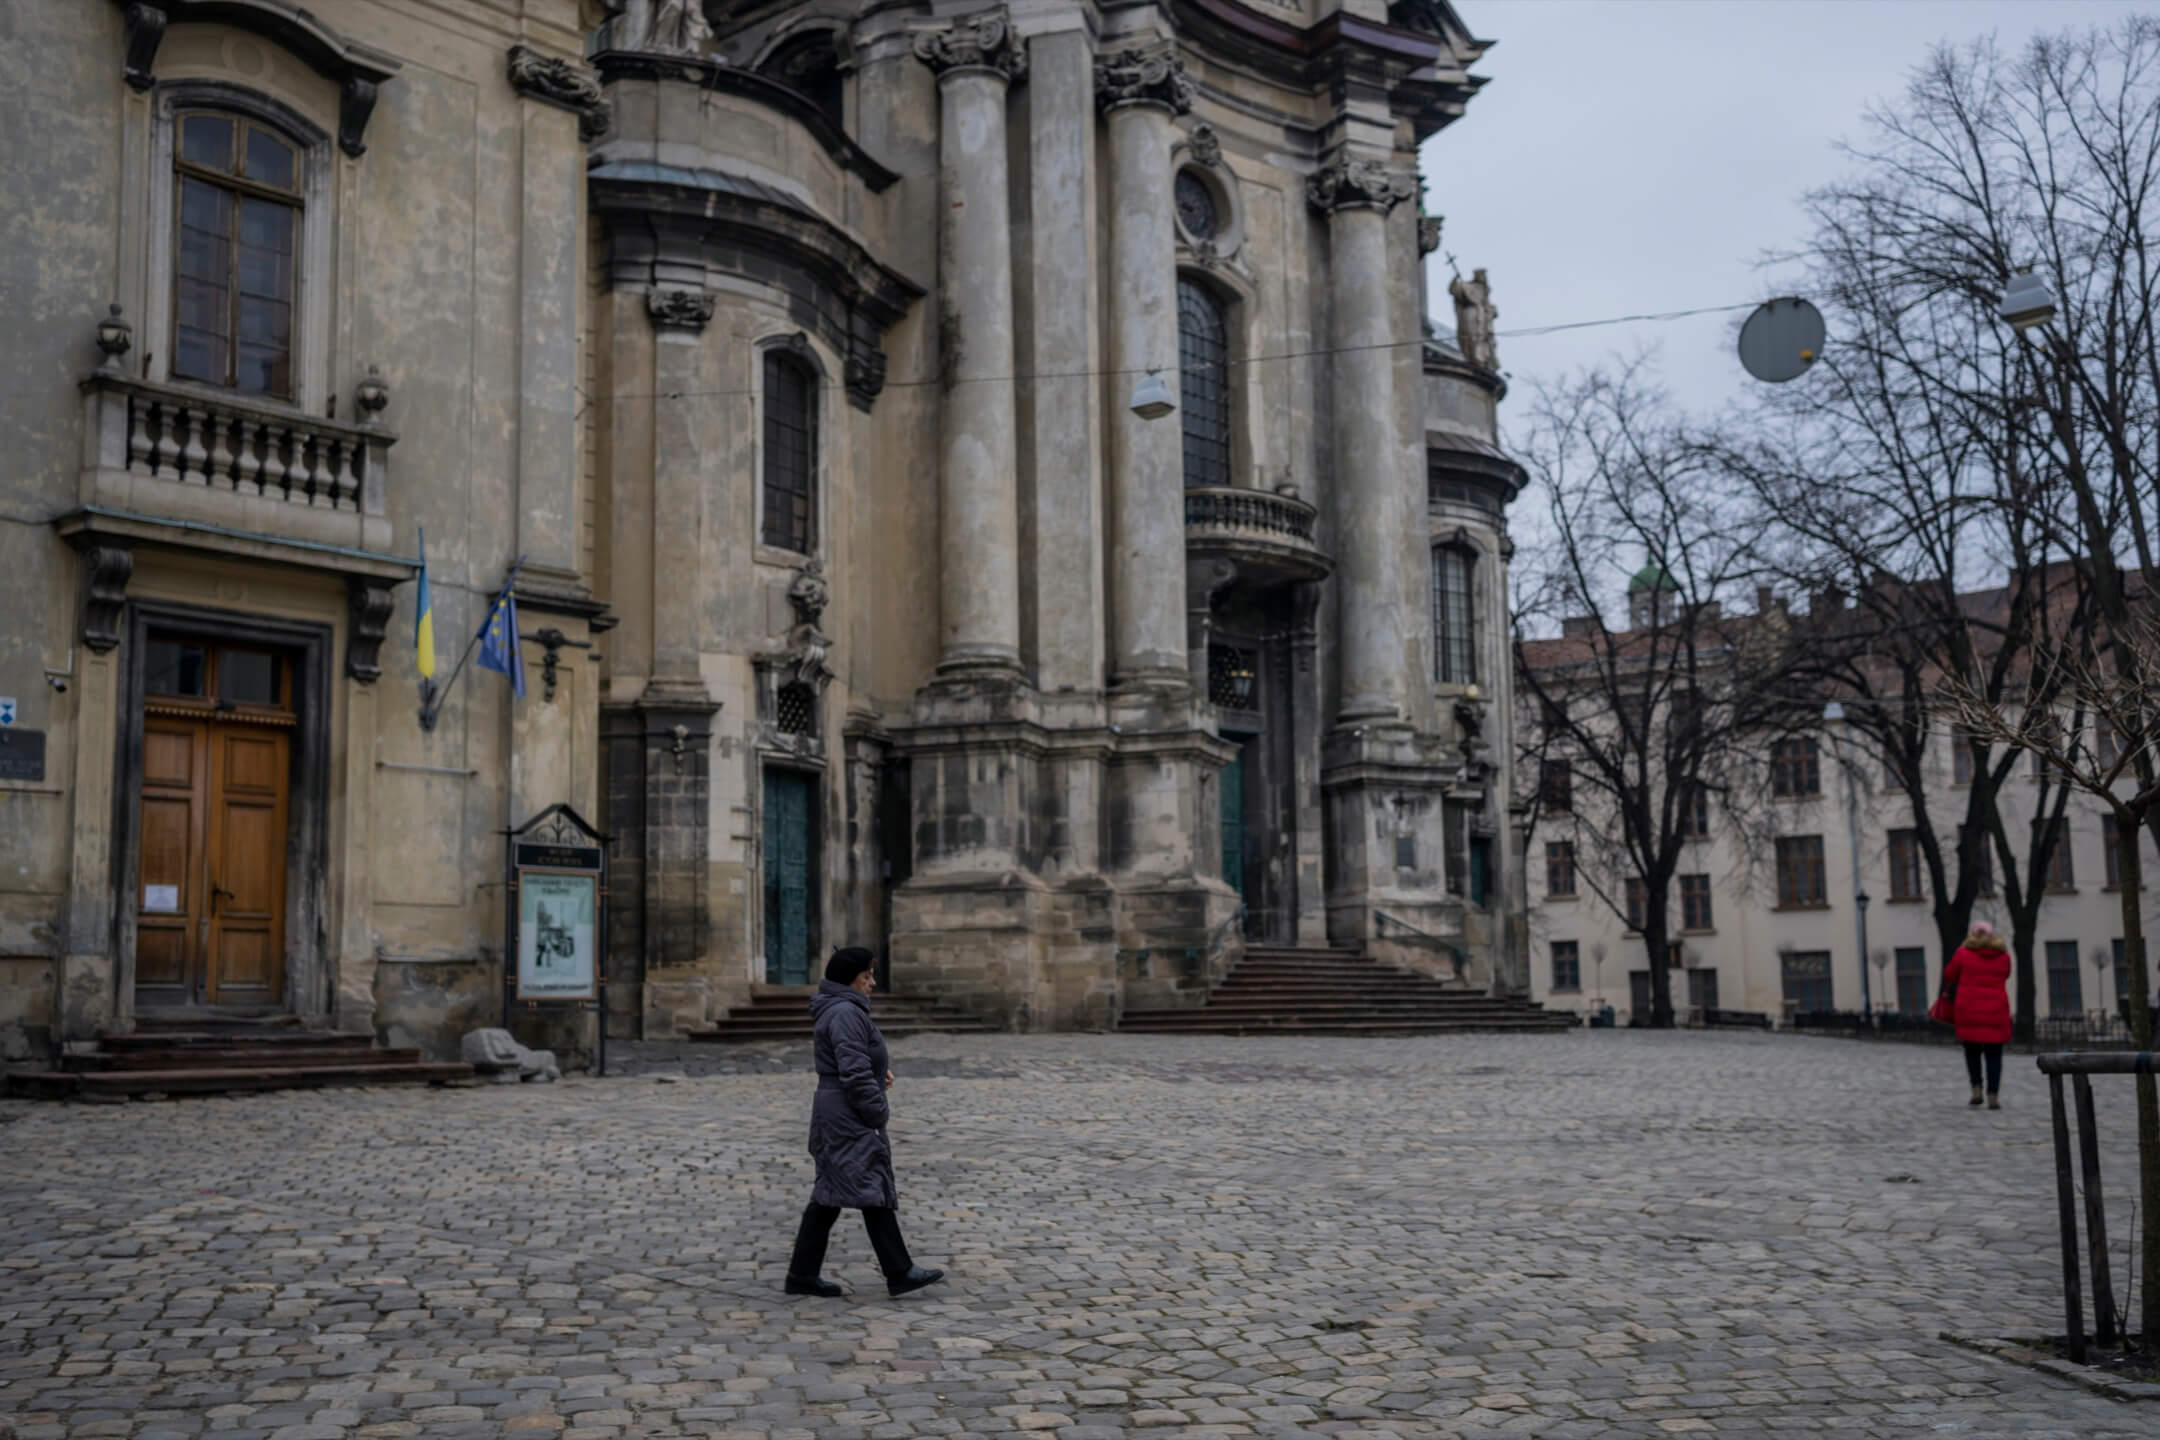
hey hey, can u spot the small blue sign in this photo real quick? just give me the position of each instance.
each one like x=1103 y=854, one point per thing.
x=7 y=709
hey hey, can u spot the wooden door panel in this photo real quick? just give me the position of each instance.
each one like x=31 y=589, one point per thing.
x=250 y=778
x=168 y=903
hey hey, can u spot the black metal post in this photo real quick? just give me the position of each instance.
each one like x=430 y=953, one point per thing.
x=2066 y=1206
x=2095 y=1213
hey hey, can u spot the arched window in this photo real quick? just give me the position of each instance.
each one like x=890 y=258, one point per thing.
x=790 y=453
x=810 y=63
x=1453 y=615
x=236 y=253
x=1203 y=384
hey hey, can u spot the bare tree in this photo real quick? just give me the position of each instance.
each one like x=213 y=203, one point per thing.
x=1663 y=719
x=2049 y=159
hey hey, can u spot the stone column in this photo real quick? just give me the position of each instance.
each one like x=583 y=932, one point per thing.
x=1140 y=91
x=1356 y=196
x=975 y=59
x=679 y=319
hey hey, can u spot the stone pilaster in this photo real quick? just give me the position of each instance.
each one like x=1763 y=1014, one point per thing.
x=975 y=60
x=1140 y=91
x=1356 y=196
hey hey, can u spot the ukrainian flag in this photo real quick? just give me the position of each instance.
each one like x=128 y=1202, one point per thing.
x=424 y=620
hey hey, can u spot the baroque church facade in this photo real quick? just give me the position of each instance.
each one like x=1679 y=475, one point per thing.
x=978 y=481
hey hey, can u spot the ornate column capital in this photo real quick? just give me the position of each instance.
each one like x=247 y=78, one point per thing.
x=562 y=83
x=982 y=41
x=370 y=602
x=1357 y=185
x=679 y=309
x=1134 y=76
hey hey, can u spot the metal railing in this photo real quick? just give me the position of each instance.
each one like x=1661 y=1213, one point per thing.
x=2081 y=1066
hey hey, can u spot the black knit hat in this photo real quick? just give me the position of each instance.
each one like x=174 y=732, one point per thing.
x=847 y=963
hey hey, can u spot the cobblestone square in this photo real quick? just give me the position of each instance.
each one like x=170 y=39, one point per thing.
x=1580 y=1235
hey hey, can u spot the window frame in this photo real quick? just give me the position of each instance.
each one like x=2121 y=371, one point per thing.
x=1573 y=986
x=1556 y=786
x=2061 y=877
x=1794 y=761
x=1634 y=902
x=2058 y=988
x=1697 y=909
x=1908 y=1002
x=1449 y=635
x=316 y=285
x=1559 y=862
x=1219 y=309
x=238 y=188
x=1693 y=821
x=1908 y=871
x=791 y=355
x=1800 y=864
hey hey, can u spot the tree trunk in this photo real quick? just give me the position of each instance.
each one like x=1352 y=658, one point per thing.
x=1654 y=944
x=2148 y=1098
x=2022 y=930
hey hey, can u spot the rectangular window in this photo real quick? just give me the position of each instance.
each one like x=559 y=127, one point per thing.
x=1795 y=768
x=2111 y=851
x=1636 y=906
x=2061 y=873
x=1962 y=756
x=1905 y=869
x=1695 y=902
x=1808 y=989
x=1454 y=647
x=1912 y=980
x=1566 y=965
x=1800 y=882
x=1702 y=988
x=236 y=243
x=1695 y=811
x=1559 y=867
x=1556 y=785
x=790 y=453
x=2066 y=988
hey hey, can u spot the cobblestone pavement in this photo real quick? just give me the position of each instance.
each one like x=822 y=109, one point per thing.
x=1577 y=1235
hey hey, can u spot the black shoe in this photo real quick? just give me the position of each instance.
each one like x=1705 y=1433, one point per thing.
x=915 y=1279
x=815 y=1285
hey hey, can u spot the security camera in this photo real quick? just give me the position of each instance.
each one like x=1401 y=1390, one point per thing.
x=58 y=682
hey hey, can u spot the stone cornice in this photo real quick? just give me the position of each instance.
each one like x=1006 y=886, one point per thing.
x=562 y=83
x=983 y=41
x=1357 y=185
x=679 y=309
x=1143 y=77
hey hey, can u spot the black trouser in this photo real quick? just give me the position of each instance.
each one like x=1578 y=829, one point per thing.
x=817 y=1223
x=1973 y=1052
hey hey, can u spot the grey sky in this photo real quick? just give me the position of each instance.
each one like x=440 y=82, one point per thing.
x=1642 y=155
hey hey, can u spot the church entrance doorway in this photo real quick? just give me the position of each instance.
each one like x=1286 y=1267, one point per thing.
x=790 y=826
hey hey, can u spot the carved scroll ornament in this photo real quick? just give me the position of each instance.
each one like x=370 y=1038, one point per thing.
x=1144 y=77
x=1357 y=185
x=983 y=41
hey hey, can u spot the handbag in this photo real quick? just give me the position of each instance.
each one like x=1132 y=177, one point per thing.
x=1944 y=1010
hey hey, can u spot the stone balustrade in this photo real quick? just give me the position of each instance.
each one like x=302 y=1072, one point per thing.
x=1269 y=537
x=189 y=453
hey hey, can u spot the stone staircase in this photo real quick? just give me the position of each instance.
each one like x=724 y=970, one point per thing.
x=1282 y=990
x=216 y=1054
x=782 y=1012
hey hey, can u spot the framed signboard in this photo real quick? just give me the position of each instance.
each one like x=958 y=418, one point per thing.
x=556 y=926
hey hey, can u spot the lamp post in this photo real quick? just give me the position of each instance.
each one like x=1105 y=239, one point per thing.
x=1834 y=714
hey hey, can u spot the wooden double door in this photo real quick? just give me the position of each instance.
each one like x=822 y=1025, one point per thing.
x=216 y=802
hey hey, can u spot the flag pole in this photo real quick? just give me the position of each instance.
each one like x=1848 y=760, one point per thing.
x=431 y=694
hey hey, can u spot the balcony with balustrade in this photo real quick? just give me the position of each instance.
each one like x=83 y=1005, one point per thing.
x=1268 y=535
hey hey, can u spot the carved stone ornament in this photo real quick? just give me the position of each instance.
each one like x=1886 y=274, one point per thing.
x=664 y=27
x=115 y=337
x=106 y=571
x=983 y=41
x=562 y=83
x=679 y=309
x=1428 y=233
x=808 y=645
x=1145 y=77
x=865 y=372
x=1204 y=146
x=1357 y=185
x=370 y=602
x=145 y=32
x=808 y=593
x=356 y=101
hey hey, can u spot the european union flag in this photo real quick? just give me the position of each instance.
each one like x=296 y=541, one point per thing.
x=499 y=643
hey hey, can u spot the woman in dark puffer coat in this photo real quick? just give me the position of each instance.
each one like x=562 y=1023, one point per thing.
x=847 y=1134
x=1981 y=971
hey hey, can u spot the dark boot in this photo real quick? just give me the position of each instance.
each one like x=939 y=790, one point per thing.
x=815 y=1285
x=915 y=1279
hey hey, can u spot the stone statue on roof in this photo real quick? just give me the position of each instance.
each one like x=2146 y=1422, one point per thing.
x=1474 y=316
x=664 y=27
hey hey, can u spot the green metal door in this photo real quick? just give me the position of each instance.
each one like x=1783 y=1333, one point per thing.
x=1233 y=823
x=787 y=878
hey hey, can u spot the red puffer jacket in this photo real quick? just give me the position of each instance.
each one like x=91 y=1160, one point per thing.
x=1981 y=973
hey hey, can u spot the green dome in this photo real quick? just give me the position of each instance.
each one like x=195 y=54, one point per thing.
x=1652 y=576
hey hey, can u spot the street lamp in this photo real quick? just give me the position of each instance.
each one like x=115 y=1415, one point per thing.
x=2026 y=301
x=1834 y=714
x=1151 y=397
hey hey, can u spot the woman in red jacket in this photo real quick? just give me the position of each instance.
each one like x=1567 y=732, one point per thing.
x=1981 y=972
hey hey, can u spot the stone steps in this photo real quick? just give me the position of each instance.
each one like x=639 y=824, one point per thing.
x=199 y=1054
x=1276 y=990
x=784 y=1014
